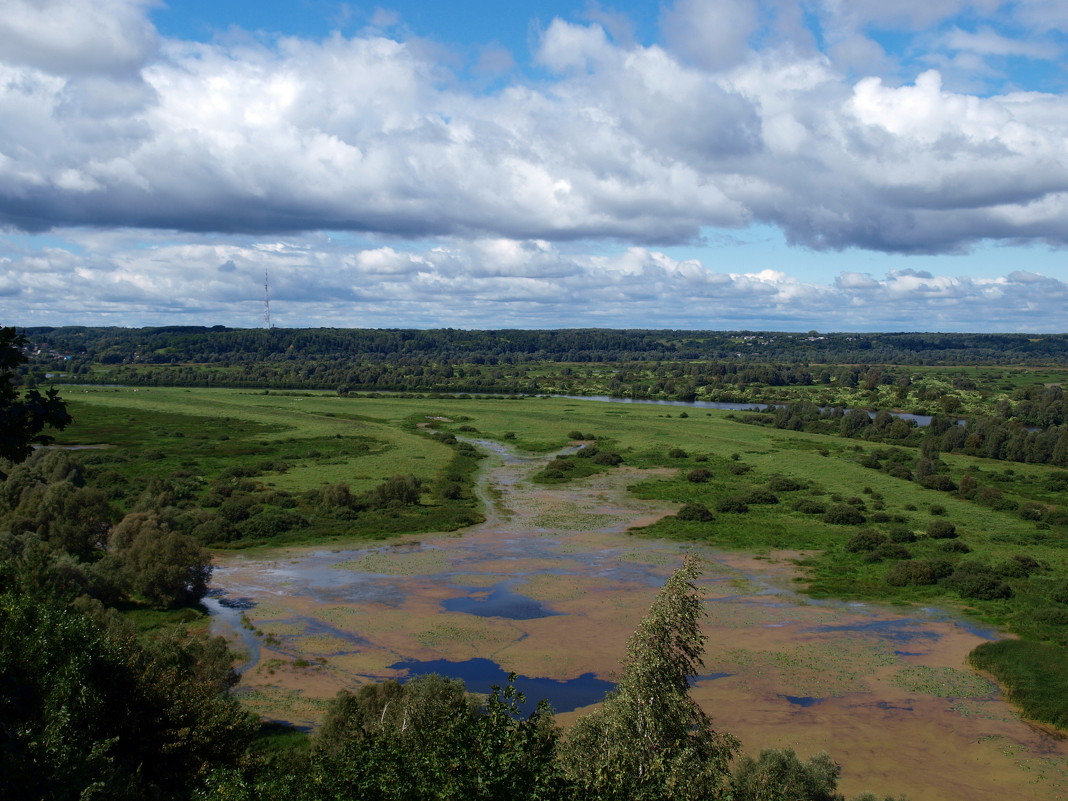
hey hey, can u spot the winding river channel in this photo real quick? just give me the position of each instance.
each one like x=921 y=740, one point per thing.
x=551 y=586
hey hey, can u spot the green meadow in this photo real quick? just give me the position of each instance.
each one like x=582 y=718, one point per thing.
x=859 y=532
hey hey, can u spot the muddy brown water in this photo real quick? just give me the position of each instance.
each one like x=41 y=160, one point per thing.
x=551 y=586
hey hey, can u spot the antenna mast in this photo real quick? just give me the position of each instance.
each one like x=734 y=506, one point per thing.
x=266 y=304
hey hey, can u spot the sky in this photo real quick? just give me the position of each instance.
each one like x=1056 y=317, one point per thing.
x=829 y=165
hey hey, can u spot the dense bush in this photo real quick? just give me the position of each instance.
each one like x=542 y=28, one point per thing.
x=760 y=495
x=916 y=572
x=397 y=491
x=866 y=539
x=1032 y=511
x=941 y=530
x=699 y=475
x=271 y=522
x=809 y=506
x=733 y=504
x=783 y=484
x=608 y=458
x=842 y=514
x=974 y=579
x=938 y=481
x=900 y=532
x=695 y=511
x=954 y=546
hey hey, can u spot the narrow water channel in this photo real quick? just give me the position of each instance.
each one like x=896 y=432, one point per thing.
x=551 y=586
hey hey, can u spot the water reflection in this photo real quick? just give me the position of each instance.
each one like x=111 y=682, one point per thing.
x=480 y=675
x=498 y=602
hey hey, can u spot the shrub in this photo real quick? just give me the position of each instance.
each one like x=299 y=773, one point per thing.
x=1059 y=593
x=732 y=504
x=939 y=482
x=783 y=484
x=842 y=514
x=1032 y=511
x=607 y=458
x=941 y=530
x=899 y=532
x=397 y=491
x=587 y=452
x=1018 y=566
x=954 y=546
x=699 y=475
x=677 y=453
x=560 y=464
x=575 y=435
x=912 y=573
x=866 y=539
x=337 y=496
x=1056 y=517
x=809 y=506
x=759 y=495
x=899 y=471
x=982 y=585
x=738 y=469
x=937 y=509
x=892 y=550
x=271 y=522
x=695 y=511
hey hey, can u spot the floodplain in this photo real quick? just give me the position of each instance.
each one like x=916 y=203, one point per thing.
x=569 y=566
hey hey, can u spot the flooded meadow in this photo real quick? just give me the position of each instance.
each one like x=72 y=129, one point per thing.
x=550 y=587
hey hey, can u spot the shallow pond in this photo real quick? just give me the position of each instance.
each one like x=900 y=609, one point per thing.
x=551 y=586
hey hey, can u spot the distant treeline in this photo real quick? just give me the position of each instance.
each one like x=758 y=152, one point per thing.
x=987 y=437
x=229 y=346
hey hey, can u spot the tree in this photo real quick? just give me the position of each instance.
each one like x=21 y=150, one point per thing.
x=89 y=711
x=781 y=775
x=428 y=739
x=165 y=567
x=24 y=417
x=650 y=740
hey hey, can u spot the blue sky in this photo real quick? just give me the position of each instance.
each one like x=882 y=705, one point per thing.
x=686 y=164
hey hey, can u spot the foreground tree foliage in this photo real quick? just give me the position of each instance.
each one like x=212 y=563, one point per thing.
x=90 y=711
x=24 y=417
x=650 y=740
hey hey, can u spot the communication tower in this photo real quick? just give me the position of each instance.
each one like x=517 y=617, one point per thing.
x=266 y=304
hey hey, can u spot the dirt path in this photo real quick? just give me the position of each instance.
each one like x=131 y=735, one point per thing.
x=550 y=587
